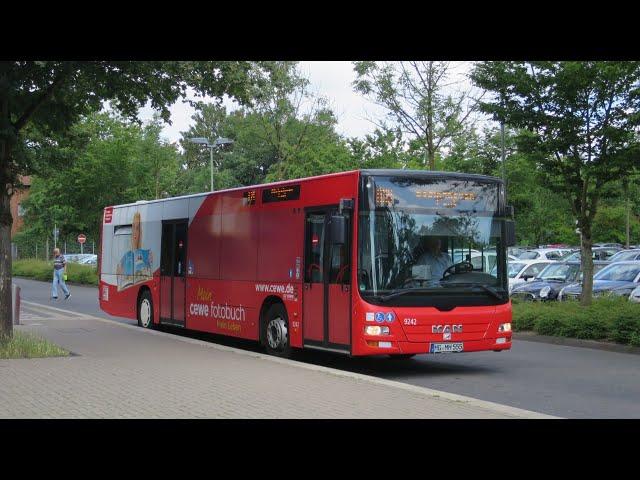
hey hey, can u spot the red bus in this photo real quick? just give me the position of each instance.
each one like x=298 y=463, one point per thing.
x=366 y=262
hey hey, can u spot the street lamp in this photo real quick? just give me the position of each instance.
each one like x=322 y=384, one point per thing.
x=218 y=143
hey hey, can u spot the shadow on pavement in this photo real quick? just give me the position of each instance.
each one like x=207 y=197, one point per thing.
x=380 y=366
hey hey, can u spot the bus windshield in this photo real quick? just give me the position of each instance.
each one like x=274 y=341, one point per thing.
x=429 y=235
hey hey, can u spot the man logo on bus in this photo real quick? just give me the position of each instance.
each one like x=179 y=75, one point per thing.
x=446 y=329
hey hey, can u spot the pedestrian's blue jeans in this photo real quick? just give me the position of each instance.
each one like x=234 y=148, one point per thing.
x=58 y=277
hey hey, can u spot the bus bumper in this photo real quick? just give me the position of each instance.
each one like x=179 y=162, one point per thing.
x=403 y=348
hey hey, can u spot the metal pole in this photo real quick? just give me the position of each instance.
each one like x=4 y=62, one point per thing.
x=81 y=249
x=93 y=247
x=504 y=177
x=211 y=162
x=55 y=235
x=628 y=224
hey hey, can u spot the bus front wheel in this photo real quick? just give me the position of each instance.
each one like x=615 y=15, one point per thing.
x=145 y=310
x=276 y=333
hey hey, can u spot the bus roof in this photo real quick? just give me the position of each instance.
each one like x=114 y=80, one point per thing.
x=375 y=172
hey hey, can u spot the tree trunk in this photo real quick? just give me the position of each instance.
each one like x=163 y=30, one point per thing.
x=587 y=262
x=6 y=312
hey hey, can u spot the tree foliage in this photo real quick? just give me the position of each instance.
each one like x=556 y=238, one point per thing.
x=580 y=118
x=48 y=97
x=131 y=162
x=419 y=102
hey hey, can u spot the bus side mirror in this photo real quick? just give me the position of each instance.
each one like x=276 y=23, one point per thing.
x=510 y=234
x=338 y=230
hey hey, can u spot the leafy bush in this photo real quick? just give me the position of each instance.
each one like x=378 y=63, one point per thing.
x=42 y=270
x=614 y=319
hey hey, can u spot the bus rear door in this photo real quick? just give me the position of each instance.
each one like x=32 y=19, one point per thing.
x=172 y=272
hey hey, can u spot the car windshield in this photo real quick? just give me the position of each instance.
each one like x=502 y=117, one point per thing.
x=623 y=256
x=514 y=268
x=619 y=272
x=528 y=255
x=559 y=271
x=571 y=257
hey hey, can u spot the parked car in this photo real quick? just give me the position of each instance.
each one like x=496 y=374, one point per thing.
x=521 y=271
x=626 y=255
x=634 y=296
x=548 y=283
x=619 y=278
x=543 y=254
x=609 y=245
x=601 y=253
x=89 y=260
x=79 y=257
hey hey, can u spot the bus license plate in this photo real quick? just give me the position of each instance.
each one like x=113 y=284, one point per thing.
x=445 y=347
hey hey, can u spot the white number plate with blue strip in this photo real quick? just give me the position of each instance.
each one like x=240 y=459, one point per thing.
x=445 y=347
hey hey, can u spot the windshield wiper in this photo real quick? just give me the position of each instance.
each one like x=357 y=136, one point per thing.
x=484 y=287
x=403 y=291
x=397 y=293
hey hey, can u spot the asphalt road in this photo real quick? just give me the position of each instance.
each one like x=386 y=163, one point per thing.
x=565 y=381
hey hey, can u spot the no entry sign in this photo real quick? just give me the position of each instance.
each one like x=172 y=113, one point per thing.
x=81 y=239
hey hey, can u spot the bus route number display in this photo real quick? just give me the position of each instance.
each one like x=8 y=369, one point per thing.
x=250 y=197
x=281 y=194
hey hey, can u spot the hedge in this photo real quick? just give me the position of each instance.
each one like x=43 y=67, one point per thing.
x=42 y=270
x=611 y=319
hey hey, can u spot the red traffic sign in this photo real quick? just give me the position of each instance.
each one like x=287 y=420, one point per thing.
x=82 y=238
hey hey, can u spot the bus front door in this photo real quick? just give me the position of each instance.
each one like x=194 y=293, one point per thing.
x=172 y=272
x=326 y=298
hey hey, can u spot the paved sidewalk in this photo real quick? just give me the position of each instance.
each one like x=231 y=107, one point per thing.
x=122 y=371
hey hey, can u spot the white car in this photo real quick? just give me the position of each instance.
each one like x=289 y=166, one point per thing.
x=543 y=254
x=487 y=263
x=524 y=270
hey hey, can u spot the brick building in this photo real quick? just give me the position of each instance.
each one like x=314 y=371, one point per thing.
x=17 y=212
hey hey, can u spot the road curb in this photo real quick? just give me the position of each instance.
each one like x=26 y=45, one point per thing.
x=576 y=342
x=491 y=406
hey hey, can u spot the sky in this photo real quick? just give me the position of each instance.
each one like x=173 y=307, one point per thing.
x=332 y=80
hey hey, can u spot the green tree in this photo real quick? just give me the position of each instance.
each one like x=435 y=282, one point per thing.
x=131 y=162
x=380 y=149
x=580 y=117
x=415 y=96
x=49 y=96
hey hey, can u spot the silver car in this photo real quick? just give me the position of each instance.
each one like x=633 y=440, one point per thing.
x=634 y=296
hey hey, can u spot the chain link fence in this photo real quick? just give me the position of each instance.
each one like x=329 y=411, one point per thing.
x=42 y=248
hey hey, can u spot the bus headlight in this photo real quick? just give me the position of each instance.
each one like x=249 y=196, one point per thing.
x=544 y=291
x=376 y=330
x=504 y=327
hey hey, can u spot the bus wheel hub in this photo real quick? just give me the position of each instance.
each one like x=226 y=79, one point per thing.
x=277 y=333
x=145 y=312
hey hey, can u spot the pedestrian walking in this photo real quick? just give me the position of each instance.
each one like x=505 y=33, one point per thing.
x=59 y=274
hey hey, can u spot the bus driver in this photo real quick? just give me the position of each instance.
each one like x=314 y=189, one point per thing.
x=433 y=262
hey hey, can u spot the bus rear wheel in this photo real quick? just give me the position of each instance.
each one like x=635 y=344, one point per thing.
x=145 y=310
x=276 y=331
